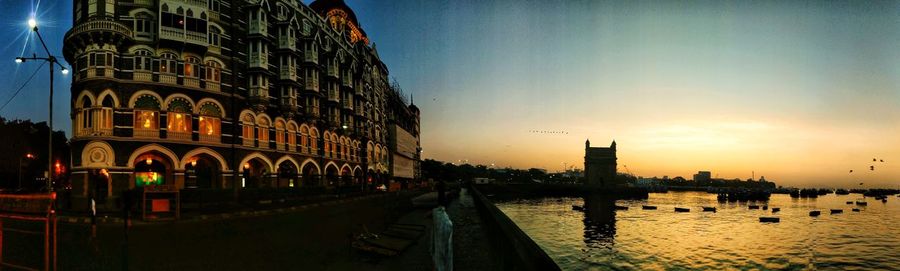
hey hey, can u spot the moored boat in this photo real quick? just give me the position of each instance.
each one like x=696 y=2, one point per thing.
x=815 y=213
x=765 y=207
x=682 y=210
x=577 y=208
x=769 y=219
x=775 y=209
x=856 y=209
x=836 y=211
x=621 y=207
x=754 y=206
x=709 y=209
x=648 y=207
x=863 y=203
x=849 y=202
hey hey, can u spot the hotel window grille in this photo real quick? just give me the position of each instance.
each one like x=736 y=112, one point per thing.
x=179 y=119
x=167 y=63
x=191 y=67
x=143 y=60
x=146 y=116
x=213 y=71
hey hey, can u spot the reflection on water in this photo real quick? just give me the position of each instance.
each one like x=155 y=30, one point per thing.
x=601 y=238
x=599 y=222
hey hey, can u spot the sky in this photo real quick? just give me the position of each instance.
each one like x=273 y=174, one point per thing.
x=799 y=92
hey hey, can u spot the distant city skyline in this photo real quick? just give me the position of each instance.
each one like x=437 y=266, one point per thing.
x=800 y=92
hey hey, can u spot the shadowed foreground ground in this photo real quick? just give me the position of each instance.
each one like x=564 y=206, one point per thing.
x=311 y=239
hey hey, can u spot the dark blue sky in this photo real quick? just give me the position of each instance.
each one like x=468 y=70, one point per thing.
x=783 y=88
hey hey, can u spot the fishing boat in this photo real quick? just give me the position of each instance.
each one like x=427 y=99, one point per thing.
x=769 y=219
x=863 y=203
x=754 y=206
x=849 y=202
x=775 y=209
x=883 y=200
x=856 y=209
x=709 y=209
x=765 y=207
x=815 y=213
x=682 y=210
x=648 y=207
x=836 y=211
x=577 y=208
x=842 y=192
x=621 y=208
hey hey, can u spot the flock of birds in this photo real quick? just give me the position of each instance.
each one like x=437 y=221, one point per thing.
x=872 y=167
x=548 y=132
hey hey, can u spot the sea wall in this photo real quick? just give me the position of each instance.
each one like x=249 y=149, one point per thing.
x=515 y=249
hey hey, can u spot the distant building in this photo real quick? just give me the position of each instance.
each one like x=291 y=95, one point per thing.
x=599 y=164
x=483 y=180
x=703 y=176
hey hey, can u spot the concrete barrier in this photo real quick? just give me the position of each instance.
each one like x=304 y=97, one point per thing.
x=515 y=249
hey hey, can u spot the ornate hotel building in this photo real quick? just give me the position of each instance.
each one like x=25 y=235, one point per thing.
x=231 y=95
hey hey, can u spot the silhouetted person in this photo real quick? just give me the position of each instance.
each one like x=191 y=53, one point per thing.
x=442 y=188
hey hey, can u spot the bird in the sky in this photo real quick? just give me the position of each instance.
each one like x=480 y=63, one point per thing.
x=851 y=171
x=871 y=167
x=882 y=160
x=874 y=160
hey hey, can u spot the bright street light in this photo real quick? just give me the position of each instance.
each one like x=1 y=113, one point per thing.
x=32 y=23
x=65 y=71
x=18 y=60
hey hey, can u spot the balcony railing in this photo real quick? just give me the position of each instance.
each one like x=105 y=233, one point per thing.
x=312 y=84
x=312 y=111
x=100 y=25
x=211 y=138
x=288 y=73
x=258 y=27
x=259 y=60
x=213 y=86
x=168 y=78
x=144 y=76
x=91 y=131
x=347 y=104
x=178 y=34
x=285 y=42
x=249 y=142
x=191 y=82
x=261 y=92
x=332 y=70
x=311 y=57
x=333 y=95
x=186 y=136
x=146 y=133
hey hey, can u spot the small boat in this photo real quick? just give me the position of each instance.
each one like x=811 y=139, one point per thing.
x=765 y=207
x=849 y=202
x=682 y=210
x=769 y=219
x=883 y=200
x=577 y=208
x=709 y=209
x=836 y=211
x=815 y=213
x=775 y=209
x=621 y=207
x=863 y=203
x=648 y=207
x=856 y=209
x=754 y=206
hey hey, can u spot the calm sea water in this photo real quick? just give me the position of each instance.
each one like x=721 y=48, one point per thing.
x=730 y=239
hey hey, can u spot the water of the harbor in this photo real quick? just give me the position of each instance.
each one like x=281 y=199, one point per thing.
x=730 y=239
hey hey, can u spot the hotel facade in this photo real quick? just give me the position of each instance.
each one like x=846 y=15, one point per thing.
x=231 y=95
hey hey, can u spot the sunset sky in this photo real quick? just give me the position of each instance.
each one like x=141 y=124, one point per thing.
x=799 y=92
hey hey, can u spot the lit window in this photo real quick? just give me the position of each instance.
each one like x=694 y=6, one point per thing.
x=146 y=120
x=210 y=126
x=179 y=123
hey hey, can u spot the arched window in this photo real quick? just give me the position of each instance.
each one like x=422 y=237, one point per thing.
x=213 y=71
x=314 y=140
x=146 y=116
x=179 y=119
x=215 y=36
x=167 y=63
x=210 y=122
x=143 y=60
x=327 y=140
x=279 y=134
x=304 y=139
x=247 y=126
x=291 y=135
x=262 y=131
x=143 y=25
x=83 y=117
x=103 y=118
x=192 y=67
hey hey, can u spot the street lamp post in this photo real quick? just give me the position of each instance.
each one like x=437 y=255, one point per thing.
x=52 y=60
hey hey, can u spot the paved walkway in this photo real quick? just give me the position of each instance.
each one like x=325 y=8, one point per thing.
x=471 y=247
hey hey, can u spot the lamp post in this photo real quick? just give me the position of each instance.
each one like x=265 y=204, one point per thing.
x=52 y=60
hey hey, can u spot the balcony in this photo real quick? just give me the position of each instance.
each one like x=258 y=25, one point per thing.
x=99 y=28
x=312 y=84
x=146 y=133
x=259 y=92
x=83 y=132
x=258 y=27
x=347 y=103
x=333 y=95
x=249 y=142
x=143 y=76
x=213 y=86
x=347 y=81
x=258 y=60
x=311 y=57
x=285 y=42
x=168 y=78
x=178 y=34
x=99 y=71
x=191 y=82
x=211 y=138
x=332 y=70
x=312 y=111
x=183 y=136
x=288 y=73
